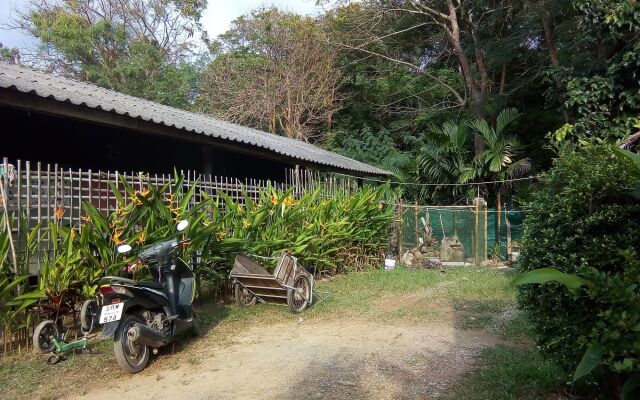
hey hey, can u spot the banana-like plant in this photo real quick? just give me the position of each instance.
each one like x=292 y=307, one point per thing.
x=15 y=295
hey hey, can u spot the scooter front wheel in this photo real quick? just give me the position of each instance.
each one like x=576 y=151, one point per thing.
x=130 y=356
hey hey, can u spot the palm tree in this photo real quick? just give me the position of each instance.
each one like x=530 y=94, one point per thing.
x=498 y=161
x=444 y=156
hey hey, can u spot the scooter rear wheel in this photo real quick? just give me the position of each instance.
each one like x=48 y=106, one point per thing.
x=89 y=315
x=130 y=356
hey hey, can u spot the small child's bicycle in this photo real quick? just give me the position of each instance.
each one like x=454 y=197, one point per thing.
x=47 y=337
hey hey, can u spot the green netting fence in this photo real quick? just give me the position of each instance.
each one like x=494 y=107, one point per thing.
x=482 y=232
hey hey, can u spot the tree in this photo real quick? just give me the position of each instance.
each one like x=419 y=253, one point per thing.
x=9 y=55
x=273 y=70
x=444 y=158
x=601 y=77
x=480 y=41
x=447 y=157
x=141 y=47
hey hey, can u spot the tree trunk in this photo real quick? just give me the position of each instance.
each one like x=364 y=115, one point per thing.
x=477 y=96
x=553 y=53
x=548 y=37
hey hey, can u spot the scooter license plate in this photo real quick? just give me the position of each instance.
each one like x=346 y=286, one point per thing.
x=112 y=312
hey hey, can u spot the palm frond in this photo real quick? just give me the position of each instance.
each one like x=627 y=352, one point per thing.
x=505 y=118
x=519 y=168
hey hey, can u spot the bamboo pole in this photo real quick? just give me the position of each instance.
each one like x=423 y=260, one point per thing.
x=5 y=203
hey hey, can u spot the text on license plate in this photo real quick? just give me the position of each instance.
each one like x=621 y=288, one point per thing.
x=112 y=312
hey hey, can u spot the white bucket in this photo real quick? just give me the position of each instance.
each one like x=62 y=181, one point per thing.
x=389 y=264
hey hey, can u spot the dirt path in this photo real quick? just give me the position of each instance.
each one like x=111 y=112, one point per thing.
x=311 y=360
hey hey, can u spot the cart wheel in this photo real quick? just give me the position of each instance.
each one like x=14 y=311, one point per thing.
x=88 y=315
x=244 y=298
x=54 y=359
x=42 y=336
x=298 y=299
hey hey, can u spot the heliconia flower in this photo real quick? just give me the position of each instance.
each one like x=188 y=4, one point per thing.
x=116 y=236
x=86 y=219
x=135 y=199
x=59 y=213
x=141 y=238
x=274 y=199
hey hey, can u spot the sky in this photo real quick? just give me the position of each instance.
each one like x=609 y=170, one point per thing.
x=216 y=19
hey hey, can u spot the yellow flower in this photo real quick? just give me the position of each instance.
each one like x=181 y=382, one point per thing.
x=135 y=199
x=274 y=199
x=145 y=192
x=59 y=212
x=220 y=235
x=116 y=236
x=86 y=219
x=245 y=224
x=380 y=206
x=141 y=238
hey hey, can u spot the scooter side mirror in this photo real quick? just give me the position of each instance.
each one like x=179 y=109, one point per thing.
x=124 y=249
x=182 y=225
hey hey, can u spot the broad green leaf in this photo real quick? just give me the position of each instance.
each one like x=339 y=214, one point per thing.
x=630 y=387
x=544 y=275
x=591 y=359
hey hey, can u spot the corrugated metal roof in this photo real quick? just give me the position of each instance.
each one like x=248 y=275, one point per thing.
x=88 y=95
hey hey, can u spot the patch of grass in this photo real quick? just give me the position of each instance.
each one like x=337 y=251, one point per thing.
x=509 y=373
x=513 y=325
x=474 y=322
x=414 y=296
x=21 y=376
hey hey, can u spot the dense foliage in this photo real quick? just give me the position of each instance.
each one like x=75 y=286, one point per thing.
x=344 y=232
x=583 y=221
x=374 y=80
x=276 y=71
x=143 y=48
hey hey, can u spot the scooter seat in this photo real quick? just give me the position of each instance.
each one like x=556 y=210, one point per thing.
x=150 y=284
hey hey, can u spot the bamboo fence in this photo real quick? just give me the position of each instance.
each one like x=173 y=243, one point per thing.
x=43 y=192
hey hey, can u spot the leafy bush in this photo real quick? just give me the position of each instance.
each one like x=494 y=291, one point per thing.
x=15 y=295
x=584 y=222
x=328 y=234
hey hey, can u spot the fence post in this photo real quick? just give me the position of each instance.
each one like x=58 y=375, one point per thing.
x=480 y=230
x=415 y=212
x=507 y=224
x=5 y=204
x=400 y=220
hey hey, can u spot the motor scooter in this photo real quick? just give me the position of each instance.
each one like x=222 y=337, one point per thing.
x=143 y=316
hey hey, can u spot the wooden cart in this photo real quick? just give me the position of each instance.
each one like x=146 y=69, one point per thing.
x=289 y=284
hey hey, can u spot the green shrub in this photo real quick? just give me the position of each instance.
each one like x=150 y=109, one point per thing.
x=584 y=221
x=330 y=234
